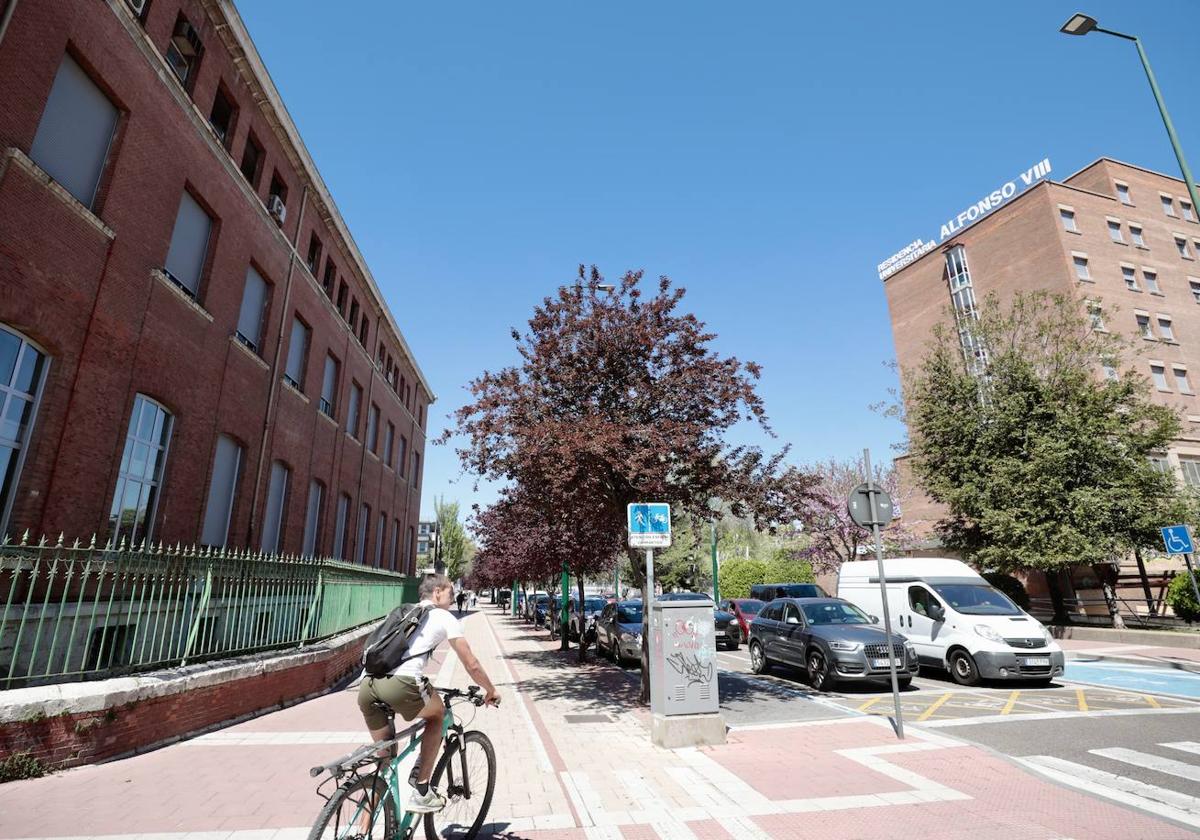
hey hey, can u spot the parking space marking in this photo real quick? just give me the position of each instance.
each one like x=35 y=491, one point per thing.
x=1153 y=701
x=1012 y=701
x=869 y=704
x=937 y=704
x=1083 y=705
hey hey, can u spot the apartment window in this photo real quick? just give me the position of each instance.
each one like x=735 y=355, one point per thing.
x=222 y=487
x=408 y=551
x=339 y=527
x=314 y=254
x=1168 y=205
x=373 y=428
x=131 y=517
x=1160 y=464
x=1181 y=380
x=252 y=156
x=402 y=456
x=189 y=245
x=1130 y=276
x=1164 y=328
x=389 y=434
x=278 y=187
x=1191 y=471
x=380 y=529
x=223 y=116
x=1068 y=220
x=364 y=518
x=1135 y=233
x=354 y=316
x=254 y=305
x=379 y=354
x=330 y=277
x=1096 y=316
x=1151 y=279
x=343 y=290
x=1144 y=328
x=1181 y=245
x=1081 y=268
x=363 y=330
x=297 y=354
x=394 y=542
x=1114 y=232
x=184 y=51
x=352 y=414
x=312 y=519
x=1185 y=210
x=276 y=499
x=416 y=473
x=1194 y=285
x=1123 y=193
x=22 y=370
x=75 y=132
x=329 y=386
x=1159 y=374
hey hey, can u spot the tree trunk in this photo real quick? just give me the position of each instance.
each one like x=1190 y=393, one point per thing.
x=1054 y=585
x=1141 y=564
x=638 y=578
x=582 y=619
x=1114 y=611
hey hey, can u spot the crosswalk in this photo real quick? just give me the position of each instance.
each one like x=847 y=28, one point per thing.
x=1158 y=799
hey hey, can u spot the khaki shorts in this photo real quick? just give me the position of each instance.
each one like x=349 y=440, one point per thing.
x=405 y=695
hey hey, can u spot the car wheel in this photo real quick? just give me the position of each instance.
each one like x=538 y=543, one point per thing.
x=903 y=682
x=1042 y=683
x=758 y=659
x=732 y=644
x=818 y=670
x=962 y=668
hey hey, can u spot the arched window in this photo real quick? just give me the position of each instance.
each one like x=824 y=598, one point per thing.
x=135 y=500
x=22 y=371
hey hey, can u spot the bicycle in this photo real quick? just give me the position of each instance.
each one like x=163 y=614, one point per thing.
x=467 y=762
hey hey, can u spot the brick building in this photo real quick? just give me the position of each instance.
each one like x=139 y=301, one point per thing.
x=192 y=348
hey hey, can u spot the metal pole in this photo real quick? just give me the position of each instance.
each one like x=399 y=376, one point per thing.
x=716 y=584
x=1166 y=118
x=887 y=613
x=617 y=582
x=648 y=595
x=563 y=615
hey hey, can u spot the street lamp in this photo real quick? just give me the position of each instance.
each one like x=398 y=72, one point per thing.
x=1081 y=24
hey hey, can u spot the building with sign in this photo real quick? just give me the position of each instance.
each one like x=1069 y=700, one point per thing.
x=192 y=347
x=1121 y=236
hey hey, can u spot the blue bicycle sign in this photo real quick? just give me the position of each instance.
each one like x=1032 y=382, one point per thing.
x=1177 y=539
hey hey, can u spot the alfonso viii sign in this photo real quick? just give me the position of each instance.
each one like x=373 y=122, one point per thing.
x=976 y=211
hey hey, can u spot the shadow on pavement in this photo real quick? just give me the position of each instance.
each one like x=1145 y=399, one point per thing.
x=598 y=686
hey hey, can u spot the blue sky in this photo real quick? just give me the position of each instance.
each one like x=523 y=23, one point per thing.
x=765 y=156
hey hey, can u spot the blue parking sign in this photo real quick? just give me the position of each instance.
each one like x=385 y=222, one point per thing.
x=1177 y=539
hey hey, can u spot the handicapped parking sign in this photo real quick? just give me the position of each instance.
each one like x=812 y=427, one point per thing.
x=649 y=525
x=1177 y=539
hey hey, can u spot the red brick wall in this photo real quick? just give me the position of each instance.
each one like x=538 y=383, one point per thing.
x=113 y=331
x=72 y=739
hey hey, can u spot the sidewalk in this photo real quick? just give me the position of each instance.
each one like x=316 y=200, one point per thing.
x=575 y=761
x=1187 y=659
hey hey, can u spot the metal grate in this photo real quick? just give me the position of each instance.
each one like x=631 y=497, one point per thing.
x=880 y=651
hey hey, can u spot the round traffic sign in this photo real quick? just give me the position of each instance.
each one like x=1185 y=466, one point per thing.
x=860 y=509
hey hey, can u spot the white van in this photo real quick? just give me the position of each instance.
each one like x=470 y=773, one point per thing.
x=955 y=619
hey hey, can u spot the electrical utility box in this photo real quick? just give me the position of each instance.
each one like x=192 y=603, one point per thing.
x=683 y=658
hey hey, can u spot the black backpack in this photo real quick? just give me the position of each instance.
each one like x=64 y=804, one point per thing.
x=387 y=647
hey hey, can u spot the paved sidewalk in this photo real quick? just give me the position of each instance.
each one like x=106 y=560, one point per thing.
x=575 y=761
x=1184 y=658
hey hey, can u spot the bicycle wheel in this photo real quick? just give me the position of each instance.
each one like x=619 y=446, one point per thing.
x=348 y=813
x=466 y=776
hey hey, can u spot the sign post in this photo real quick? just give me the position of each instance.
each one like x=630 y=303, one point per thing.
x=1178 y=540
x=869 y=506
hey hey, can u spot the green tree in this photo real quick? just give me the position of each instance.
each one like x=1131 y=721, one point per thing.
x=1042 y=462
x=737 y=576
x=452 y=537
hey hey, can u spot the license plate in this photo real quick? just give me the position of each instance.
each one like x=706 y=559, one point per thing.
x=1037 y=660
x=883 y=663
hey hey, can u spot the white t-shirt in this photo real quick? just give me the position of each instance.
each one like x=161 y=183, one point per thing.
x=437 y=626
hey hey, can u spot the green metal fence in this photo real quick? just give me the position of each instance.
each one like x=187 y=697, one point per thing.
x=72 y=612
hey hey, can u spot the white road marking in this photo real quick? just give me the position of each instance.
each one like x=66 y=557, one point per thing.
x=1185 y=746
x=973 y=721
x=238 y=738
x=603 y=832
x=743 y=827
x=1151 y=762
x=665 y=823
x=1155 y=800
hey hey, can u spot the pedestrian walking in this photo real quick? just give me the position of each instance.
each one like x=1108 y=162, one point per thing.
x=462 y=600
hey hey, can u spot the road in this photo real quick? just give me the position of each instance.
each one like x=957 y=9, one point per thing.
x=1117 y=729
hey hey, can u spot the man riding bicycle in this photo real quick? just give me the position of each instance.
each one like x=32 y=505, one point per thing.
x=408 y=693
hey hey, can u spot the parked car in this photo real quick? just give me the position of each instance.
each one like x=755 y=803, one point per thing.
x=537 y=603
x=956 y=619
x=728 y=630
x=504 y=598
x=770 y=591
x=831 y=639
x=619 y=631
x=744 y=610
x=581 y=618
x=540 y=608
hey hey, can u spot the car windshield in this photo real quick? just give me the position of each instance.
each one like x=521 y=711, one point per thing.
x=834 y=612
x=684 y=596
x=629 y=615
x=976 y=599
x=750 y=606
x=593 y=604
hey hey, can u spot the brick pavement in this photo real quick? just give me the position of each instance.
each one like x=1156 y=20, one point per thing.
x=600 y=778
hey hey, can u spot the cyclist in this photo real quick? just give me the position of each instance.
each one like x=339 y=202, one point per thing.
x=409 y=694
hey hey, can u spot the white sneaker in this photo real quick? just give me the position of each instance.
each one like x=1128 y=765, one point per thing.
x=425 y=803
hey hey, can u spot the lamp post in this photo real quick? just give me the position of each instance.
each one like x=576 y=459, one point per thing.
x=1081 y=24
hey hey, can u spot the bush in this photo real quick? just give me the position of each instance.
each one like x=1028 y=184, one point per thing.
x=21 y=765
x=1010 y=586
x=783 y=568
x=1182 y=599
x=737 y=576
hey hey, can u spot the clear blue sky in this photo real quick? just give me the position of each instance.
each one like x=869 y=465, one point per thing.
x=766 y=156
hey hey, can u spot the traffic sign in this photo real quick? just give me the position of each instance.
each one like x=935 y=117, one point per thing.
x=860 y=510
x=1177 y=539
x=649 y=525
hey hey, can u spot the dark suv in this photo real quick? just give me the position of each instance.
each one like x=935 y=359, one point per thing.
x=771 y=591
x=831 y=639
x=728 y=631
